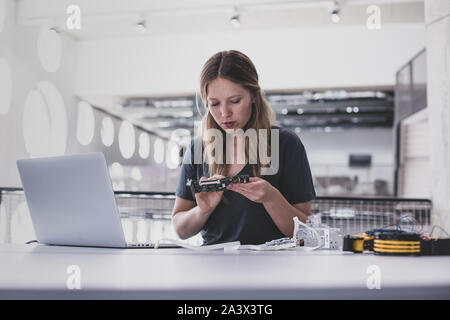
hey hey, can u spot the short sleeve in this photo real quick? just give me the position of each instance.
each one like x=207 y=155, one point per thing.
x=296 y=180
x=188 y=171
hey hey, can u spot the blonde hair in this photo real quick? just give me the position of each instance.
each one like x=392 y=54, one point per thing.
x=238 y=68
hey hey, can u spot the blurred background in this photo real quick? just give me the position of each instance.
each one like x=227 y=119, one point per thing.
x=363 y=83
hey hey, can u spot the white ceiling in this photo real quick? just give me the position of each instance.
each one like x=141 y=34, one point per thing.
x=115 y=18
x=106 y=19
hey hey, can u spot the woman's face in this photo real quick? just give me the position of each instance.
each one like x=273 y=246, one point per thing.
x=230 y=104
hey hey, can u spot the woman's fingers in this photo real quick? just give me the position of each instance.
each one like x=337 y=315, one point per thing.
x=245 y=193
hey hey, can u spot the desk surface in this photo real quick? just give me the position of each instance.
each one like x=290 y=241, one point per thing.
x=41 y=272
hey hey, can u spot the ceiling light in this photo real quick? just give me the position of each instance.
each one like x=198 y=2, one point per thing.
x=141 y=26
x=335 y=12
x=164 y=124
x=235 y=19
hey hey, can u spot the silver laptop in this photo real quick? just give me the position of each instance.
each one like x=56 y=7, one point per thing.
x=71 y=201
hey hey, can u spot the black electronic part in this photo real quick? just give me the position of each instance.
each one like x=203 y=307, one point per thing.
x=440 y=247
x=425 y=247
x=347 y=244
x=216 y=184
x=396 y=243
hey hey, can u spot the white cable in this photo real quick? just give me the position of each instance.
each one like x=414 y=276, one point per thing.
x=226 y=246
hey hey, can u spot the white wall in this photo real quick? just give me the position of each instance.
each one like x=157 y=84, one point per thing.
x=344 y=56
x=437 y=14
x=18 y=46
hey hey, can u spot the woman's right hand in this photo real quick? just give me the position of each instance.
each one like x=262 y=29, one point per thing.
x=207 y=201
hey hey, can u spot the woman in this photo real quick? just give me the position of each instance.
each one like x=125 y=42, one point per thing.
x=255 y=212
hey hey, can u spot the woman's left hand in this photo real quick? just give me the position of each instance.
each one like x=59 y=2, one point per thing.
x=257 y=190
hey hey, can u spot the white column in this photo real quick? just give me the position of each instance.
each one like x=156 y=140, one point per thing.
x=437 y=19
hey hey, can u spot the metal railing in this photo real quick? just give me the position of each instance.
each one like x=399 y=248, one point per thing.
x=146 y=216
x=356 y=215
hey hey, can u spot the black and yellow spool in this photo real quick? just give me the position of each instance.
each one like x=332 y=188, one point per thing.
x=358 y=244
x=397 y=243
x=355 y=243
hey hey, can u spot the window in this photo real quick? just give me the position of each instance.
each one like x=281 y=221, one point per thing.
x=85 y=123
x=127 y=143
x=107 y=132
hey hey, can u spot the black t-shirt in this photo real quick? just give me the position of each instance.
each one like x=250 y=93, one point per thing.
x=237 y=218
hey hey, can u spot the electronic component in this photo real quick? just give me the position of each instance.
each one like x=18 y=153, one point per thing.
x=435 y=247
x=440 y=247
x=306 y=236
x=216 y=184
x=396 y=242
x=353 y=244
x=317 y=235
x=406 y=239
x=278 y=244
x=274 y=245
x=384 y=242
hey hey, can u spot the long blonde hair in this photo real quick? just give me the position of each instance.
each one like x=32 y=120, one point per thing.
x=238 y=68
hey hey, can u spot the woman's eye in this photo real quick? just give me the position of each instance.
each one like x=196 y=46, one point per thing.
x=216 y=104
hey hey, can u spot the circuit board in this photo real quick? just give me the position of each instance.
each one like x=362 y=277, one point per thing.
x=216 y=184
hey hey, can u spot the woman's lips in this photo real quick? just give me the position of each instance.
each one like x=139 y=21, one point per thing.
x=229 y=124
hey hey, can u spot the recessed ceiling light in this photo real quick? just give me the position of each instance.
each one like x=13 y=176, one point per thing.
x=235 y=19
x=335 y=12
x=141 y=26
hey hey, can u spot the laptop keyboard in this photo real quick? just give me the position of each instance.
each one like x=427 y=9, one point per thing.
x=140 y=245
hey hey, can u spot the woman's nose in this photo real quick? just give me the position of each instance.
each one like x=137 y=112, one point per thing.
x=225 y=110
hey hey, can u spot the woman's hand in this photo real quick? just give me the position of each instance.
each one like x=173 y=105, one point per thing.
x=208 y=201
x=257 y=190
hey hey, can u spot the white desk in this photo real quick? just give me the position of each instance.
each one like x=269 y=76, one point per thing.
x=40 y=272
